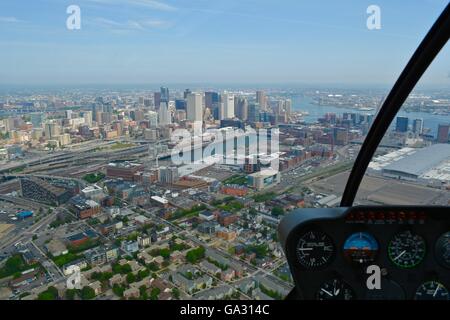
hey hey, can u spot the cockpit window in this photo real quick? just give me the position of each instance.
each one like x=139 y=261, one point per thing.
x=412 y=163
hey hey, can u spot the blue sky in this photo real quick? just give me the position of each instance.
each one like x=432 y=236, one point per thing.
x=214 y=41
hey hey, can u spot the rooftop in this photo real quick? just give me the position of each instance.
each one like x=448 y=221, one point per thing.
x=422 y=160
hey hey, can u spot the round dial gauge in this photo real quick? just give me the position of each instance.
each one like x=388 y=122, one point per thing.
x=442 y=250
x=314 y=249
x=361 y=248
x=432 y=290
x=407 y=250
x=335 y=289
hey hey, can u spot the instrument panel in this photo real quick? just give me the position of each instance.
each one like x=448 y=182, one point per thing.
x=369 y=253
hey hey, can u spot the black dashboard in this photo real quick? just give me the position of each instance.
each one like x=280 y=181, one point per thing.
x=369 y=253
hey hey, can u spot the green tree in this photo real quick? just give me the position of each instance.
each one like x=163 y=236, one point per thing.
x=118 y=290
x=194 y=255
x=143 y=292
x=277 y=211
x=143 y=274
x=155 y=293
x=71 y=294
x=50 y=294
x=87 y=293
x=131 y=278
x=176 y=293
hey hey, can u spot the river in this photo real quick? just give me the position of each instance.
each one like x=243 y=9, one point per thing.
x=302 y=103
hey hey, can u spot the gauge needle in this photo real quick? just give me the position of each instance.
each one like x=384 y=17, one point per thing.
x=305 y=249
x=436 y=291
x=398 y=257
x=327 y=292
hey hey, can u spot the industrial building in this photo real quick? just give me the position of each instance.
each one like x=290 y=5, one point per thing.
x=125 y=170
x=41 y=191
x=428 y=164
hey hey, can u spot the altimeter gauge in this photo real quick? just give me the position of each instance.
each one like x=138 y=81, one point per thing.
x=315 y=249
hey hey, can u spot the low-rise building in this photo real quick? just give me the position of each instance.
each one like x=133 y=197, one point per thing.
x=97 y=287
x=116 y=279
x=129 y=246
x=56 y=247
x=143 y=241
x=131 y=293
x=84 y=208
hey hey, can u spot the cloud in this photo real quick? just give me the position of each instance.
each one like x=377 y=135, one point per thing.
x=130 y=25
x=9 y=20
x=157 y=5
x=152 y=4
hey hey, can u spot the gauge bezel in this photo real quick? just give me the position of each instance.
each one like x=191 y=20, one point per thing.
x=349 y=259
x=428 y=282
x=329 y=261
x=343 y=282
x=406 y=267
x=438 y=254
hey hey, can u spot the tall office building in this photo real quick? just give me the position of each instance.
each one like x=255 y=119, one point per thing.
x=157 y=99
x=211 y=99
x=241 y=107
x=137 y=115
x=443 y=131
x=87 y=115
x=254 y=111
x=51 y=130
x=194 y=107
x=402 y=124
x=153 y=119
x=417 y=126
x=104 y=117
x=212 y=102
x=164 y=94
x=164 y=118
x=180 y=104
x=96 y=108
x=147 y=102
x=278 y=108
x=227 y=106
x=288 y=107
x=186 y=93
x=261 y=99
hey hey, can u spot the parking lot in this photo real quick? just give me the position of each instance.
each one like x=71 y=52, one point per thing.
x=8 y=212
